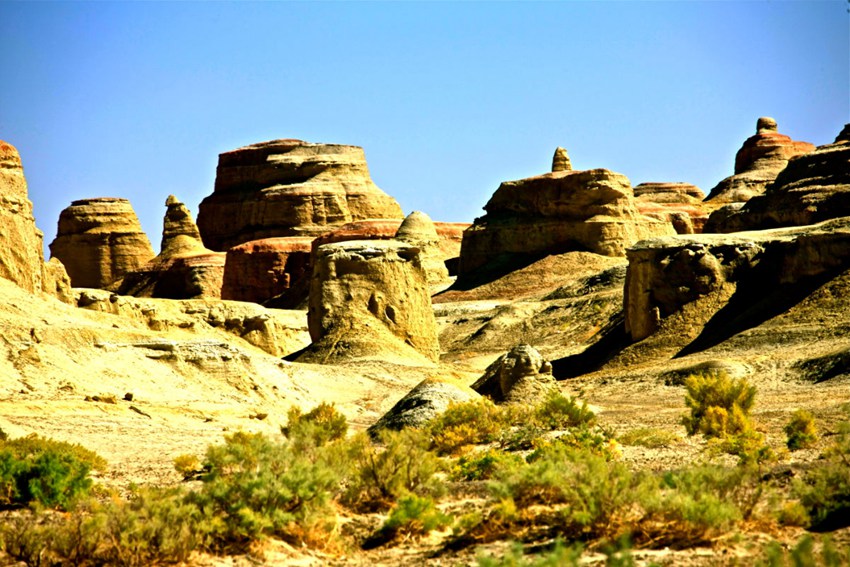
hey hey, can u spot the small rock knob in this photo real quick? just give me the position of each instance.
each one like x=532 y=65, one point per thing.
x=765 y=124
x=561 y=161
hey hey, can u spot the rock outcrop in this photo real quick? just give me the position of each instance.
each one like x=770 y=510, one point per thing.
x=427 y=400
x=184 y=269
x=680 y=204
x=370 y=299
x=99 y=240
x=812 y=188
x=21 y=242
x=757 y=163
x=520 y=376
x=418 y=230
x=592 y=210
x=289 y=188
x=666 y=274
x=561 y=161
x=260 y=270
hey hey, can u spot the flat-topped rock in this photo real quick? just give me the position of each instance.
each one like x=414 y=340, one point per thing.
x=184 y=269
x=289 y=188
x=260 y=270
x=370 y=300
x=812 y=188
x=21 y=242
x=680 y=204
x=758 y=162
x=591 y=210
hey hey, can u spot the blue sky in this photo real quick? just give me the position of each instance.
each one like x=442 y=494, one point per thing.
x=448 y=99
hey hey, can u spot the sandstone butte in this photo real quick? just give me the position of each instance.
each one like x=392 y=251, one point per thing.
x=184 y=268
x=812 y=188
x=757 y=163
x=680 y=204
x=289 y=188
x=99 y=240
x=21 y=255
x=260 y=270
x=592 y=210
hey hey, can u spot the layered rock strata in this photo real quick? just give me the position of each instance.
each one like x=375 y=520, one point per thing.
x=260 y=270
x=370 y=299
x=680 y=204
x=418 y=230
x=520 y=376
x=757 y=163
x=812 y=188
x=184 y=269
x=99 y=240
x=21 y=242
x=289 y=188
x=592 y=210
x=666 y=274
x=561 y=161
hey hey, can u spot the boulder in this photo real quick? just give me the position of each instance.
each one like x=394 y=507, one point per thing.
x=289 y=188
x=520 y=376
x=427 y=400
x=370 y=300
x=260 y=270
x=757 y=163
x=21 y=242
x=812 y=188
x=680 y=204
x=184 y=269
x=666 y=274
x=418 y=230
x=553 y=213
x=99 y=240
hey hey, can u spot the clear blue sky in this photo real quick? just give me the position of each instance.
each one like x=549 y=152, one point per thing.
x=137 y=100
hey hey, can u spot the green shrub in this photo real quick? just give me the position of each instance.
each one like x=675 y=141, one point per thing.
x=560 y=556
x=650 y=437
x=52 y=473
x=801 y=431
x=319 y=426
x=468 y=423
x=415 y=515
x=258 y=487
x=719 y=405
x=803 y=554
x=825 y=490
x=560 y=412
x=381 y=475
x=187 y=465
x=484 y=465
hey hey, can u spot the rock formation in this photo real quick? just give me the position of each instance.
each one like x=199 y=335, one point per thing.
x=289 y=188
x=665 y=274
x=592 y=210
x=370 y=299
x=184 y=269
x=99 y=240
x=812 y=188
x=260 y=270
x=677 y=203
x=757 y=163
x=21 y=242
x=520 y=376
x=561 y=161
x=427 y=400
x=418 y=230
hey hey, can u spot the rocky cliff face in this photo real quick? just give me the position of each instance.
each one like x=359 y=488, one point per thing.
x=184 y=269
x=99 y=240
x=259 y=270
x=680 y=204
x=21 y=256
x=812 y=188
x=289 y=188
x=370 y=299
x=592 y=210
x=758 y=162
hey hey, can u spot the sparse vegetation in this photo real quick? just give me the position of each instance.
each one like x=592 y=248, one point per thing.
x=650 y=437
x=800 y=430
x=320 y=425
x=719 y=405
x=465 y=424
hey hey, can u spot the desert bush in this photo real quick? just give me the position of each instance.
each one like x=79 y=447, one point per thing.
x=748 y=445
x=187 y=465
x=800 y=431
x=560 y=555
x=319 y=426
x=825 y=490
x=51 y=473
x=560 y=412
x=803 y=554
x=719 y=405
x=650 y=437
x=484 y=465
x=403 y=464
x=257 y=487
x=467 y=423
x=415 y=515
